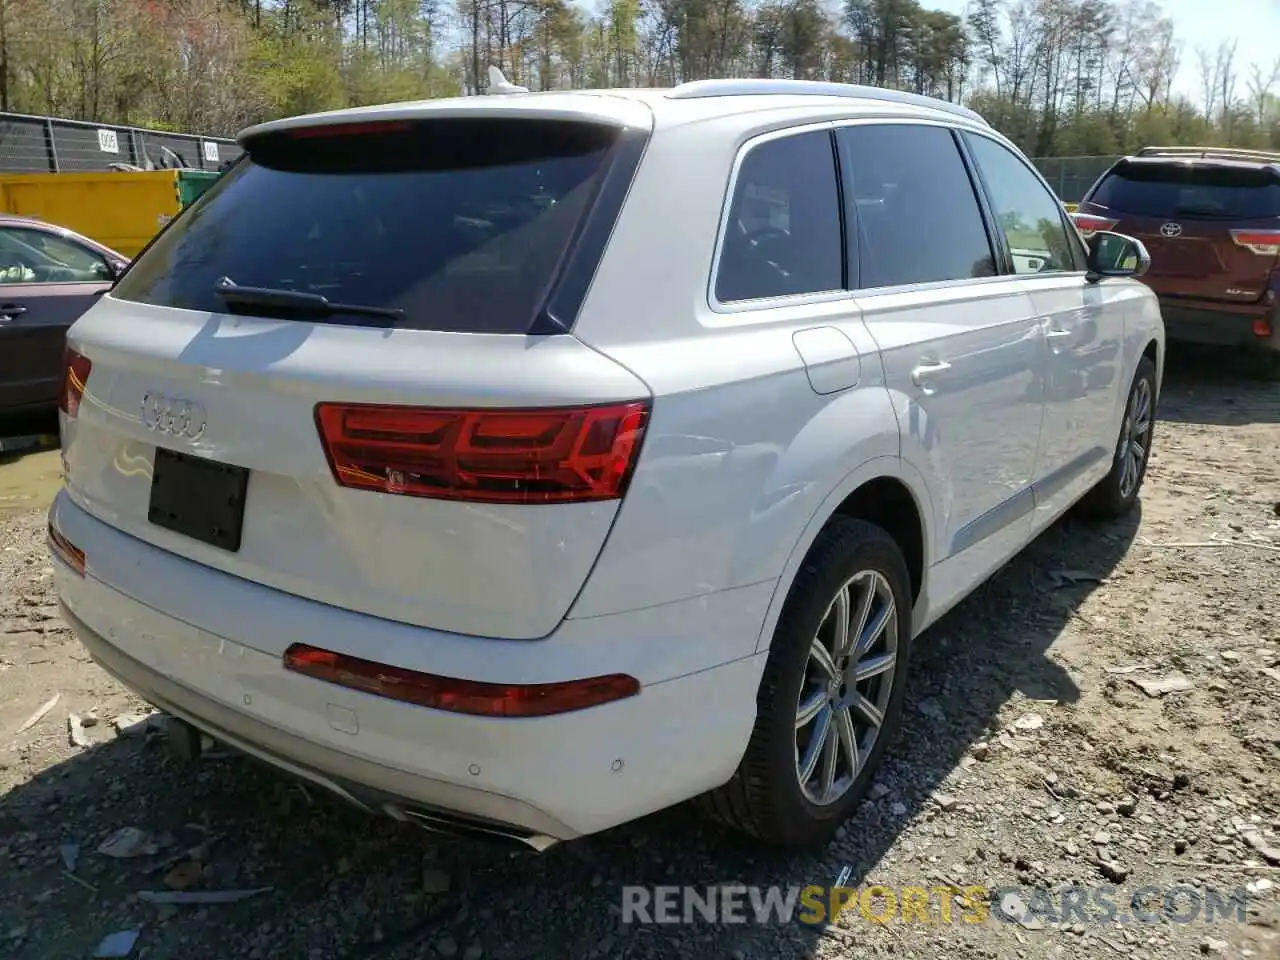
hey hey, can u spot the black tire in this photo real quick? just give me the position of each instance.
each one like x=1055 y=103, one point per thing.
x=1114 y=497
x=765 y=798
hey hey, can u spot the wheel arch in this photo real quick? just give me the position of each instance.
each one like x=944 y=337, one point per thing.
x=886 y=491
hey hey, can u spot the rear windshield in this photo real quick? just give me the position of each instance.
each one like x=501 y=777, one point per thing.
x=460 y=224
x=1190 y=190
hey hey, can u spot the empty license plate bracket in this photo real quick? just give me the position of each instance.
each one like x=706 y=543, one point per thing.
x=198 y=498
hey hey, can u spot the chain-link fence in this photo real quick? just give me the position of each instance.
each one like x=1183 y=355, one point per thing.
x=1070 y=177
x=51 y=145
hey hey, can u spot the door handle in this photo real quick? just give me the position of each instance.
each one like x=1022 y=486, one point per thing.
x=921 y=374
x=10 y=310
x=1057 y=334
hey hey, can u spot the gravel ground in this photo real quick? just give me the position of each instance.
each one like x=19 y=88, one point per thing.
x=1032 y=758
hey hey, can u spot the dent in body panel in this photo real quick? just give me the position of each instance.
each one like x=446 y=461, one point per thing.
x=730 y=473
x=891 y=466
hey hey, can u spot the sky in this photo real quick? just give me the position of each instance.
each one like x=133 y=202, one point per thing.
x=1256 y=24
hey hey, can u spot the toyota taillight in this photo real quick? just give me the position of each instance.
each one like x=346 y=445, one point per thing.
x=1263 y=242
x=547 y=455
x=1088 y=224
x=458 y=696
x=75 y=374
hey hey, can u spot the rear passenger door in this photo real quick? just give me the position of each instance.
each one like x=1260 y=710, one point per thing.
x=46 y=282
x=1083 y=326
x=962 y=350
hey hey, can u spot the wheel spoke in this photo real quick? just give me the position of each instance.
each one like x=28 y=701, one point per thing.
x=821 y=656
x=859 y=624
x=874 y=630
x=840 y=626
x=830 y=754
x=1144 y=408
x=874 y=666
x=848 y=741
x=813 y=750
x=870 y=712
x=1138 y=452
x=810 y=708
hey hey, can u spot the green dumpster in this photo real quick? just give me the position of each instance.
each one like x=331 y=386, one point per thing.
x=192 y=183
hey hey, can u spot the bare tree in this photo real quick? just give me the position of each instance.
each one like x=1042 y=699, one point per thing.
x=1226 y=82
x=1260 y=83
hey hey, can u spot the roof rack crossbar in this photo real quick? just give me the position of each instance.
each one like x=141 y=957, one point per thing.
x=1211 y=153
x=813 y=88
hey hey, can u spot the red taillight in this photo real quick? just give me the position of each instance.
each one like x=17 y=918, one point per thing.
x=1263 y=242
x=350 y=129
x=553 y=455
x=1262 y=327
x=75 y=374
x=1088 y=224
x=66 y=551
x=458 y=696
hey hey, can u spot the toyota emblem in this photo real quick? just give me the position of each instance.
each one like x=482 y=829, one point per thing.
x=173 y=416
x=1171 y=230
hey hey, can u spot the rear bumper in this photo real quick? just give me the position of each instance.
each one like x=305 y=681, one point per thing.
x=538 y=780
x=369 y=785
x=1219 y=327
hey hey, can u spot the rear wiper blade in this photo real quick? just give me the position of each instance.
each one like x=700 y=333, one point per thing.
x=232 y=292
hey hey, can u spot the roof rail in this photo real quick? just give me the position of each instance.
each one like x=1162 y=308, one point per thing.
x=814 y=88
x=1211 y=153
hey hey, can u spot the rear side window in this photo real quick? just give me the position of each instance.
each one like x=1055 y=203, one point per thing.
x=783 y=234
x=461 y=224
x=917 y=215
x=1030 y=217
x=1190 y=190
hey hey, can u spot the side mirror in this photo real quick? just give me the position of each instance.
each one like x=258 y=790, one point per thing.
x=115 y=268
x=1116 y=255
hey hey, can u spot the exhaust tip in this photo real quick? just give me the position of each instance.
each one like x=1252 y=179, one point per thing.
x=453 y=825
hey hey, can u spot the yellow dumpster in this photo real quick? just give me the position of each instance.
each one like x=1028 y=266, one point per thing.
x=121 y=210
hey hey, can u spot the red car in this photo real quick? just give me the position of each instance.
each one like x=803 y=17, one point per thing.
x=48 y=277
x=1210 y=218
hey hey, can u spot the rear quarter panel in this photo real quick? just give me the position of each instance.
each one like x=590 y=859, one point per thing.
x=741 y=456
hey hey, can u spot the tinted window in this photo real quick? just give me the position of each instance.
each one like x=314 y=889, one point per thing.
x=33 y=256
x=918 y=218
x=1029 y=215
x=460 y=223
x=783 y=234
x=1190 y=190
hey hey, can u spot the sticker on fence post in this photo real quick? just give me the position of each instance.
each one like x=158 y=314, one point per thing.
x=210 y=151
x=108 y=142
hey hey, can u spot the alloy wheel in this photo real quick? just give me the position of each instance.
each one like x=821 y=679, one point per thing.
x=847 y=685
x=1135 y=438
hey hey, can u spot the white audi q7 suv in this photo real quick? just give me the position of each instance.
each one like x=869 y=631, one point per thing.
x=524 y=464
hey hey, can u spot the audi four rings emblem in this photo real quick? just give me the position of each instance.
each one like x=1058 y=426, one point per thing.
x=174 y=416
x=1171 y=230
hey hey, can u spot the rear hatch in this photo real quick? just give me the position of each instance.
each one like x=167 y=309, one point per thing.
x=1212 y=227
x=336 y=374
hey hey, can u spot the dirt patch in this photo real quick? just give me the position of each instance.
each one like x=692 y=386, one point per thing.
x=30 y=473
x=1103 y=716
